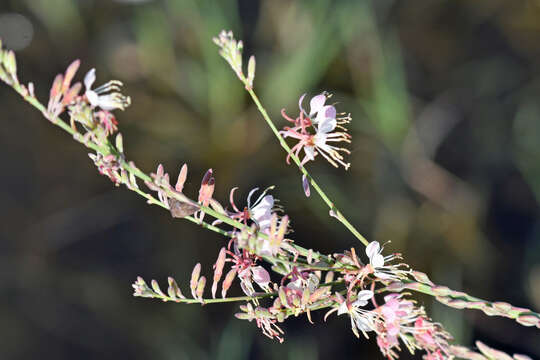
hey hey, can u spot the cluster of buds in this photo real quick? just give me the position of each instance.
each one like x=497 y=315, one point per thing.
x=231 y=51
x=8 y=66
x=317 y=130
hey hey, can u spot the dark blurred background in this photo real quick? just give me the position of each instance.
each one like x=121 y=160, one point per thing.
x=445 y=164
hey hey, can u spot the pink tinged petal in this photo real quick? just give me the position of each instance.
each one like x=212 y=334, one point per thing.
x=390 y=297
x=89 y=79
x=372 y=249
x=260 y=276
x=305 y=185
x=181 y=178
x=327 y=112
x=316 y=104
x=392 y=329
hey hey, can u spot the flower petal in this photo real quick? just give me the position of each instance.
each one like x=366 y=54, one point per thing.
x=89 y=79
x=327 y=125
x=364 y=295
x=343 y=309
x=327 y=112
x=316 y=104
x=300 y=103
x=372 y=249
x=310 y=152
x=377 y=261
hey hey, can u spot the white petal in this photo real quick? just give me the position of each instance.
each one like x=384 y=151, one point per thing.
x=359 y=303
x=316 y=104
x=310 y=152
x=364 y=295
x=327 y=112
x=327 y=125
x=343 y=309
x=260 y=276
x=89 y=78
x=92 y=97
x=377 y=260
x=363 y=324
x=263 y=208
x=372 y=249
x=300 y=103
x=320 y=140
x=108 y=102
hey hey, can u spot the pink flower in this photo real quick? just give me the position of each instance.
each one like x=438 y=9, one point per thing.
x=322 y=118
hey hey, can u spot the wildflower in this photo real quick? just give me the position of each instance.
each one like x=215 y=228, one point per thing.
x=106 y=96
x=397 y=317
x=260 y=211
x=323 y=119
x=377 y=262
x=361 y=320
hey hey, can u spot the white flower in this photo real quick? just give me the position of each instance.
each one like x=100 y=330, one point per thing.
x=360 y=319
x=377 y=260
x=316 y=106
x=102 y=96
x=261 y=212
x=325 y=127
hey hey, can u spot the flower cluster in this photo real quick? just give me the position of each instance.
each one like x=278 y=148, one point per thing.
x=317 y=131
x=300 y=281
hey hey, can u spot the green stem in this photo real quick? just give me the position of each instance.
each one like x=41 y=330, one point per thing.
x=337 y=213
x=211 y=301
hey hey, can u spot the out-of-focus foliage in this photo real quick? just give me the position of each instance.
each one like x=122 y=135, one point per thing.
x=445 y=164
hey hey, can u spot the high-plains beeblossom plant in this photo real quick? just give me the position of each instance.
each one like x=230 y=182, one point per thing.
x=374 y=291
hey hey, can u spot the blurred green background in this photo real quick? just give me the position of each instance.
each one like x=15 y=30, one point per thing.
x=445 y=164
